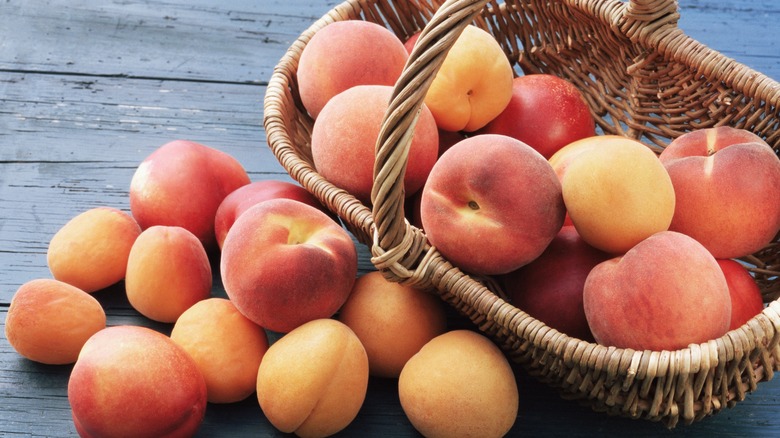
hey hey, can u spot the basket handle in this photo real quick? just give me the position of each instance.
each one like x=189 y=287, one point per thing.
x=397 y=245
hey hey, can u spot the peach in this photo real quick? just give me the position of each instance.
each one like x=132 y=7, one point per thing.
x=226 y=345
x=618 y=194
x=726 y=181
x=246 y=196
x=344 y=136
x=545 y=112
x=746 y=298
x=392 y=321
x=182 y=184
x=550 y=287
x=313 y=380
x=459 y=385
x=49 y=321
x=167 y=272
x=665 y=293
x=90 y=251
x=491 y=204
x=464 y=98
x=285 y=263
x=562 y=157
x=134 y=381
x=345 y=54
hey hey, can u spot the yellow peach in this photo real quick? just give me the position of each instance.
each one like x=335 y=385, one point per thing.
x=464 y=98
x=618 y=194
x=393 y=321
x=167 y=272
x=91 y=250
x=313 y=380
x=459 y=385
x=49 y=321
x=226 y=345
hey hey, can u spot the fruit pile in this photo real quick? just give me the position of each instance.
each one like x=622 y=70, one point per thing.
x=595 y=235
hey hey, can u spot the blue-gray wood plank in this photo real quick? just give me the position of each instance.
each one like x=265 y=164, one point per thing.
x=88 y=89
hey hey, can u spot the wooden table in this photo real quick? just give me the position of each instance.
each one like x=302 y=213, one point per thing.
x=88 y=89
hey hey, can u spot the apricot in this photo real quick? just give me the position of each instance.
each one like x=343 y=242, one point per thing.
x=618 y=194
x=167 y=272
x=134 y=381
x=182 y=183
x=392 y=321
x=90 y=251
x=345 y=54
x=313 y=380
x=464 y=98
x=491 y=204
x=226 y=345
x=459 y=385
x=49 y=321
x=343 y=141
x=665 y=293
x=285 y=263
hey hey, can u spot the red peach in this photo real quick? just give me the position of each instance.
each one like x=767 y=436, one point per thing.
x=134 y=381
x=344 y=137
x=645 y=299
x=491 y=204
x=254 y=193
x=285 y=263
x=182 y=184
x=345 y=54
x=725 y=181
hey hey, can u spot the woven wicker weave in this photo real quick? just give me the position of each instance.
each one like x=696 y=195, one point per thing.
x=643 y=78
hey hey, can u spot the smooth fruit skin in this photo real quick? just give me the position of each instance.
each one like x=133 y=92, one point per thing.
x=491 y=204
x=49 y=321
x=618 y=194
x=312 y=381
x=393 y=321
x=168 y=271
x=285 y=263
x=345 y=54
x=550 y=288
x=182 y=183
x=725 y=180
x=90 y=251
x=227 y=347
x=545 y=112
x=746 y=298
x=343 y=141
x=664 y=294
x=254 y=193
x=464 y=98
x=134 y=381
x=459 y=385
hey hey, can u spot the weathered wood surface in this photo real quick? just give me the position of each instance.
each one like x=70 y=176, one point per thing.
x=88 y=89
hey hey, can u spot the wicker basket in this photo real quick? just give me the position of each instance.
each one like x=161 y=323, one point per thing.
x=643 y=78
